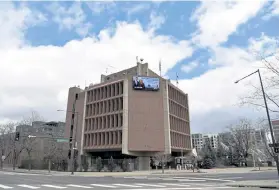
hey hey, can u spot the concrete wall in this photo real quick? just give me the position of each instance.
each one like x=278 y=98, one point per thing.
x=145 y=119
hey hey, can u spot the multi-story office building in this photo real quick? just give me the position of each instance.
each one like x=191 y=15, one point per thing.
x=132 y=113
x=200 y=140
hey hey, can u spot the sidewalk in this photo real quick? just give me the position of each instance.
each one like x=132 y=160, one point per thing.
x=144 y=173
x=256 y=183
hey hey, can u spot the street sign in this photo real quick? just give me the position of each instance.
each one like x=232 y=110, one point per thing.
x=62 y=140
x=31 y=136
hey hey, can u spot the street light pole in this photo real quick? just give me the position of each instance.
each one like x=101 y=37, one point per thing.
x=267 y=113
x=74 y=147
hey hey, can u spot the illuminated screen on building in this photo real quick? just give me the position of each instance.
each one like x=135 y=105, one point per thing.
x=146 y=83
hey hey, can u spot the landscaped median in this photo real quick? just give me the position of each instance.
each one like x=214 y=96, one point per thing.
x=274 y=184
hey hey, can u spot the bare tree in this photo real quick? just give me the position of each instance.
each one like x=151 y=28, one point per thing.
x=262 y=125
x=163 y=159
x=241 y=140
x=34 y=116
x=271 y=85
x=6 y=140
x=28 y=144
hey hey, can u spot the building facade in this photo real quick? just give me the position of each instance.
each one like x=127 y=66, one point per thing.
x=112 y=118
x=275 y=125
x=43 y=144
x=200 y=140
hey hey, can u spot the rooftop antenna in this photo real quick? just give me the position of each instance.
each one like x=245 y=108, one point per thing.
x=160 y=68
x=177 y=79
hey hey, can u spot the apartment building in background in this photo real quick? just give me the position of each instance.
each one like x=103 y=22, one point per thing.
x=133 y=113
x=200 y=140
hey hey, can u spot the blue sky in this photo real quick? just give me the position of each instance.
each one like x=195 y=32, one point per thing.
x=200 y=41
x=177 y=24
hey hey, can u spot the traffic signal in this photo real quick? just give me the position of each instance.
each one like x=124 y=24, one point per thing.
x=276 y=150
x=17 y=136
x=69 y=154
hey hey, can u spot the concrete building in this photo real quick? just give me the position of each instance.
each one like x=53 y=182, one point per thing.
x=275 y=124
x=199 y=140
x=46 y=135
x=116 y=118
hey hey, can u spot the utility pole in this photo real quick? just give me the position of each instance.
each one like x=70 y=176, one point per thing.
x=74 y=147
x=268 y=116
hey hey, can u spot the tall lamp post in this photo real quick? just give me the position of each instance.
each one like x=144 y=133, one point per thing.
x=74 y=141
x=267 y=113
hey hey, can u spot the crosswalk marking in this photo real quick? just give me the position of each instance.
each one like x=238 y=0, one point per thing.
x=28 y=186
x=126 y=185
x=150 y=185
x=54 y=186
x=129 y=186
x=99 y=185
x=5 y=187
x=81 y=186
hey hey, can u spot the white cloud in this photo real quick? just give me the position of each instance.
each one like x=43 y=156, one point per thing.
x=14 y=21
x=214 y=97
x=156 y=21
x=99 y=7
x=217 y=21
x=272 y=11
x=189 y=67
x=72 y=18
x=137 y=8
x=39 y=77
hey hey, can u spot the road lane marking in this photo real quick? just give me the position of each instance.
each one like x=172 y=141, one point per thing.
x=5 y=187
x=55 y=186
x=199 y=184
x=150 y=185
x=174 y=184
x=223 y=187
x=81 y=186
x=126 y=185
x=212 y=179
x=175 y=188
x=99 y=185
x=194 y=180
x=136 y=177
x=154 y=178
x=231 y=178
x=28 y=186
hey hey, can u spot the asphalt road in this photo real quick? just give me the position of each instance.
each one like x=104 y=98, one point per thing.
x=10 y=180
x=262 y=175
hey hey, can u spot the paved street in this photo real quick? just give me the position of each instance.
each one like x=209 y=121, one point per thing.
x=11 y=180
